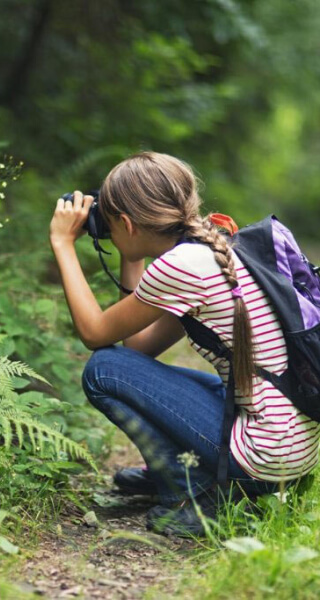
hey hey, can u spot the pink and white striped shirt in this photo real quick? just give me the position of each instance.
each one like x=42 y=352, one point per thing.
x=271 y=439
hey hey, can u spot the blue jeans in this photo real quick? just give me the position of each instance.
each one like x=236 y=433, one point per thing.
x=165 y=411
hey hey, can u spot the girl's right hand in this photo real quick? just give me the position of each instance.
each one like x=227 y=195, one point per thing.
x=67 y=222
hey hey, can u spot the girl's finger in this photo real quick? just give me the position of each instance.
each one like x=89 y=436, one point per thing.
x=77 y=199
x=60 y=203
x=87 y=201
x=68 y=205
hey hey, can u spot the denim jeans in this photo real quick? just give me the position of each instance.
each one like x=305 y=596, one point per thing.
x=165 y=411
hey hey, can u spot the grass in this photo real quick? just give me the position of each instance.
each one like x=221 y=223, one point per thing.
x=273 y=553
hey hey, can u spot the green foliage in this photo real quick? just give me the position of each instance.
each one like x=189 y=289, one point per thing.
x=219 y=83
x=36 y=318
x=18 y=415
x=5 y=545
x=34 y=452
x=256 y=552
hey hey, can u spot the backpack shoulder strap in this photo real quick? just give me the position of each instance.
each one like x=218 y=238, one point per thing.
x=205 y=337
x=208 y=339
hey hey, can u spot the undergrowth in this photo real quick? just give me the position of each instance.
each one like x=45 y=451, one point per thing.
x=254 y=552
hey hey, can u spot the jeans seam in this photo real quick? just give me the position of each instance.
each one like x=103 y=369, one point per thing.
x=210 y=444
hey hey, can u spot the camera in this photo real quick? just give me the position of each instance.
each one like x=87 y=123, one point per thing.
x=98 y=230
x=94 y=225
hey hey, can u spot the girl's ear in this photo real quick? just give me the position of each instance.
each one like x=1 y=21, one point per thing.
x=130 y=228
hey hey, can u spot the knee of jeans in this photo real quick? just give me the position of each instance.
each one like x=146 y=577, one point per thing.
x=96 y=366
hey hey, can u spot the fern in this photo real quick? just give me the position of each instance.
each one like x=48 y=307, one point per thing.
x=19 y=422
x=9 y=368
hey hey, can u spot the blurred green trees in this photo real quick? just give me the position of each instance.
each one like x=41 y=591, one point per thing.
x=230 y=85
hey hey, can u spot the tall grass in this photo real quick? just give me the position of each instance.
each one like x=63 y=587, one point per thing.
x=267 y=551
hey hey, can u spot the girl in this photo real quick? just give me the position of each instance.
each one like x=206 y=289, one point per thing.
x=150 y=203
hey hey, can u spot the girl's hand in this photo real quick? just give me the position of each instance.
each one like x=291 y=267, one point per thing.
x=68 y=219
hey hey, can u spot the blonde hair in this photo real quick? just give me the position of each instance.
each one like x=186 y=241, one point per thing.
x=160 y=194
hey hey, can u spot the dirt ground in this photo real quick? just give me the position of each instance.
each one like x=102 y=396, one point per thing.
x=117 y=560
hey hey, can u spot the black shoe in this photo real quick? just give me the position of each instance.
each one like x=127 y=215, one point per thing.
x=182 y=520
x=135 y=481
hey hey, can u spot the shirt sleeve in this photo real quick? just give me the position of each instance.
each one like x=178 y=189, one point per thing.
x=170 y=284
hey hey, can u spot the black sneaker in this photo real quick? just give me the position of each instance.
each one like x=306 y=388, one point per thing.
x=184 y=520
x=135 y=481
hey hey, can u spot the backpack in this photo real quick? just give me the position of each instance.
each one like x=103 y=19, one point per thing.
x=272 y=256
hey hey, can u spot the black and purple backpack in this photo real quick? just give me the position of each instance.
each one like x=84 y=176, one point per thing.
x=272 y=256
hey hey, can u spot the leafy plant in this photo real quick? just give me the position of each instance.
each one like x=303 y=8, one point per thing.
x=15 y=421
x=5 y=544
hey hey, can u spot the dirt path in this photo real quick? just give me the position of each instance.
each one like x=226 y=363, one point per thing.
x=118 y=559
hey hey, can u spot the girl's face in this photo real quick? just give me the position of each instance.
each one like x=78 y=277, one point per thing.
x=126 y=238
x=134 y=243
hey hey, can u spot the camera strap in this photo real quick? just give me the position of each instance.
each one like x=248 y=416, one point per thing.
x=107 y=270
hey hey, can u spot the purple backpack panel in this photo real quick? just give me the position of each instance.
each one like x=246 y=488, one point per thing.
x=296 y=268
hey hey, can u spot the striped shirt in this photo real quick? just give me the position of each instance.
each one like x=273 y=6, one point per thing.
x=271 y=439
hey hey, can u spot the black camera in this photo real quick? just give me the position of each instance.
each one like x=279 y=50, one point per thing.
x=94 y=225
x=98 y=230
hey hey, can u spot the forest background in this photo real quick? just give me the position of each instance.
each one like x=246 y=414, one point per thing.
x=232 y=87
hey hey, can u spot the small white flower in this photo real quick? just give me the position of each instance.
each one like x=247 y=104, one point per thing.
x=2 y=196
x=4 y=184
x=188 y=459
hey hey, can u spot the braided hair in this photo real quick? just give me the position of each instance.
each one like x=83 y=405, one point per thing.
x=160 y=194
x=243 y=362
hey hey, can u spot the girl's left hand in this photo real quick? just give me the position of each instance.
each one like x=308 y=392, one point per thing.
x=68 y=219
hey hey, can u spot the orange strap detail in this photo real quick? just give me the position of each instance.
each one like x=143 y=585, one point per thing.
x=225 y=222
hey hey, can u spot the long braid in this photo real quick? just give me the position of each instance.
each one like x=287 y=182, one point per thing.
x=205 y=231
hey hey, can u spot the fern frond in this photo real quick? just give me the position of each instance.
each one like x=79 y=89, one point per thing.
x=40 y=441
x=41 y=432
x=6 y=431
x=19 y=432
x=9 y=368
x=29 y=424
x=6 y=385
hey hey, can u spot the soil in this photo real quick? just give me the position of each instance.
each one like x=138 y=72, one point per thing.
x=116 y=560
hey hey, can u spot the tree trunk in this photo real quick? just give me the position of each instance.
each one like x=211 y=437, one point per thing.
x=22 y=66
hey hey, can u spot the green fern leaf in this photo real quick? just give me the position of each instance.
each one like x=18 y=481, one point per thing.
x=57 y=439
x=19 y=432
x=10 y=368
x=13 y=420
x=6 y=431
x=40 y=438
x=30 y=426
